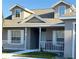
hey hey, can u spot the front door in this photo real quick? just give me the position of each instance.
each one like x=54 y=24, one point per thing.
x=34 y=38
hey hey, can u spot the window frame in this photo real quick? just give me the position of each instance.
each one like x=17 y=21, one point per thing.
x=54 y=38
x=19 y=14
x=60 y=41
x=60 y=9
x=10 y=38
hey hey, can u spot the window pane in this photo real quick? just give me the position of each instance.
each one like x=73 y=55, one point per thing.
x=60 y=37
x=60 y=34
x=15 y=40
x=18 y=13
x=16 y=33
x=43 y=36
x=16 y=36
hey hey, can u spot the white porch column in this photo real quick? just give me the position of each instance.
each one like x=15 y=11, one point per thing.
x=68 y=39
x=39 y=37
x=54 y=37
x=73 y=42
x=25 y=38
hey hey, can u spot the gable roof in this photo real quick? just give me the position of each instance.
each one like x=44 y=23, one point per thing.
x=61 y=1
x=21 y=8
x=30 y=17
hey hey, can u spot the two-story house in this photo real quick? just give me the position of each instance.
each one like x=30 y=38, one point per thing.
x=52 y=29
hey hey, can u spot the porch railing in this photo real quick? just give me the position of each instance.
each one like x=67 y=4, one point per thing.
x=50 y=46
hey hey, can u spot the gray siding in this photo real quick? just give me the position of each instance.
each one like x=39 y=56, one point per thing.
x=5 y=40
x=28 y=38
x=49 y=34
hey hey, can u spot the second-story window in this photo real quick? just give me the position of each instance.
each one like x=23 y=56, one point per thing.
x=61 y=10
x=18 y=11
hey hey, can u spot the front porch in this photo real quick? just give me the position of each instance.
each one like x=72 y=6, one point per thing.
x=45 y=38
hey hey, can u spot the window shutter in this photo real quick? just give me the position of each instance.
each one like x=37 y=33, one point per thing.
x=22 y=36
x=9 y=36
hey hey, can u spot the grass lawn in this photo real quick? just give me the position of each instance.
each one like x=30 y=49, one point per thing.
x=9 y=51
x=48 y=55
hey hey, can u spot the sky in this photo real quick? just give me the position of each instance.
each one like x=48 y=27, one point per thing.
x=30 y=4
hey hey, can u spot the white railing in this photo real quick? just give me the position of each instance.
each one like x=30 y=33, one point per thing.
x=49 y=46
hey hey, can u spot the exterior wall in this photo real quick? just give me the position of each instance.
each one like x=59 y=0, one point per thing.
x=68 y=39
x=5 y=40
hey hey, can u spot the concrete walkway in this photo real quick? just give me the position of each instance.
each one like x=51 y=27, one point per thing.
x=10 y=55
x=25 y=51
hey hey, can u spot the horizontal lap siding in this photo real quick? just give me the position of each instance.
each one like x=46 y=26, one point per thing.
x=5 y=40
x=49 y=32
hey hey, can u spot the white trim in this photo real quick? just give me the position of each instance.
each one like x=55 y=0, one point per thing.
x=22 y=36
x=59 y=3
x=21 y=8
x=9 y=38
x=73 y=17
x=73 y=41
x=33 y=15
x=36 y=25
